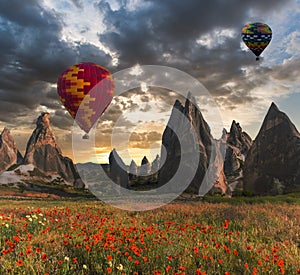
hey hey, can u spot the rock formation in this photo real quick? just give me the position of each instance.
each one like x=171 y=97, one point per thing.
x=155 y=167
x=133 y=171
x=238 y=138
x=238 y=145
x=44 y=153
x=272 y=165
x=187 y=125
x=9 y=153
x=118 y=170
x=145 y=168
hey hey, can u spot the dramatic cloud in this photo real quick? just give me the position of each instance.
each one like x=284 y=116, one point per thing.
x=32 y=55
x=40 y=39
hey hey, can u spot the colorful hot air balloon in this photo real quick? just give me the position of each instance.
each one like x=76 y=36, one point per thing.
x=257 y=37
x=89 y=82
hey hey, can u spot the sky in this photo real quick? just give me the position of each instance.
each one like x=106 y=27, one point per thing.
x=40 y=39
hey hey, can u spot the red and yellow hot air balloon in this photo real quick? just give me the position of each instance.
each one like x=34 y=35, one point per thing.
x=257 y=37
x=85 y=89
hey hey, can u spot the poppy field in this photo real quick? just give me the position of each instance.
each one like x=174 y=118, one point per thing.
x=89 y=237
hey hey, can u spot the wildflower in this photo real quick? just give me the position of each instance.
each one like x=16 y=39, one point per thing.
x=109 y=270
x=120 y=267
x=84 y=266
x=17 y=239
x=59 y=262
x=19 y=263
x=246 y=265
x=44 y=257
x=74 y=260
x=226 y=223
x=181 y=268
x=109 y=257
x=67 y=259
x=259 y=262
x=168 y=268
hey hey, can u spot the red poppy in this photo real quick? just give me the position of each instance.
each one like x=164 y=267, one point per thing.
x=19 y=263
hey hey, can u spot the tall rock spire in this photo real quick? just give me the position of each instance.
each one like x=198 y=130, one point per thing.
x=44 y=153
x=272 y=165
x=183 y=121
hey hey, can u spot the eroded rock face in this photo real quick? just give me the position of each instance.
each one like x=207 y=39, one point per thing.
x=238 y=138
x=44 y=153
x=118 y=170
x=238 y=146
x=9 y=153
x=184 y=120
x=272 y=165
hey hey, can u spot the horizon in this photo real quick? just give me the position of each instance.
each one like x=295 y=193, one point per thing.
x=150 y=153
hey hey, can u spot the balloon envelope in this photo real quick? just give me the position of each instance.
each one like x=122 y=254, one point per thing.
x=89 y=82
x=257 y=37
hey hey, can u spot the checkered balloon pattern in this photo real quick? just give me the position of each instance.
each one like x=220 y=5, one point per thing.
x=257 y=37
x=86 y=90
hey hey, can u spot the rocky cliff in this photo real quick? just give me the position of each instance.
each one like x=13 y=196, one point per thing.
x=187 y=124
x=43 y=152
x=9 y=153
x=272 y=165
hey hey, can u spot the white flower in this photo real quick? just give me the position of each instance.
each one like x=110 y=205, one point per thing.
x=67 y=259
x=84 y=266
x=120 y=267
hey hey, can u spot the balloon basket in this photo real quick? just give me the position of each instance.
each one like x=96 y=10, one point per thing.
x=86 y=136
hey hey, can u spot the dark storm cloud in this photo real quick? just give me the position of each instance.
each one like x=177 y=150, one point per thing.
x=166 y=33
x=32 y=55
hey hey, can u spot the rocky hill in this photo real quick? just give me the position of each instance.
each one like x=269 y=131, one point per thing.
x=43 y=161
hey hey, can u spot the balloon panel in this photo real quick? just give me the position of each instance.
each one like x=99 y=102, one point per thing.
x=76 y=83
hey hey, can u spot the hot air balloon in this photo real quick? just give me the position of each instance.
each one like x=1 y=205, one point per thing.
x=85 y=89
x=257 y=37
